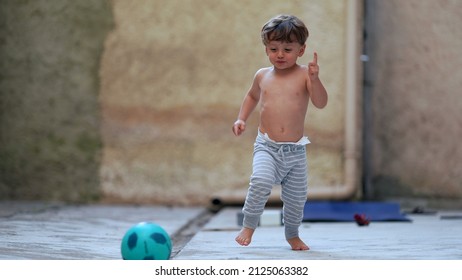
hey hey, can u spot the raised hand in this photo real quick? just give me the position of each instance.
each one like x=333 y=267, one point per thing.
x=313 y=67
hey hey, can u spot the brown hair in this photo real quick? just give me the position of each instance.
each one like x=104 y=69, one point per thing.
x=285 y=28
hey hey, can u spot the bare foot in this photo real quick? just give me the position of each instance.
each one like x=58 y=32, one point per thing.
x=297 y=244
x=245 y=236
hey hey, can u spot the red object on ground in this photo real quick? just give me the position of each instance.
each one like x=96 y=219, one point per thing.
x=361 y=219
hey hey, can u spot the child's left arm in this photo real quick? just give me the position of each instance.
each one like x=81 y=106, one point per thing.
x=318 y=93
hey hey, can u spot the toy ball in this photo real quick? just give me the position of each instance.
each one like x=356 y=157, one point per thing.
x=146 y=241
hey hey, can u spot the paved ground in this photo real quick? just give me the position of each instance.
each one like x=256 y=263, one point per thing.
x=426 y=237
x=46 y=231
x=42 y=231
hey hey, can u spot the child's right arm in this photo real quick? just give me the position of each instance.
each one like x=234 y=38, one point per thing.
x=251 y=100
x=318 y=93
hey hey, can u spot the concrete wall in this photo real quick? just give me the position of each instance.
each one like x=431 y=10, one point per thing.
x=415 y=50
x=174 y=73
x=149 y=119
x=50 y=144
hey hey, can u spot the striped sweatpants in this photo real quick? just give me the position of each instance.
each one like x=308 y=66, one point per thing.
x=277 y=164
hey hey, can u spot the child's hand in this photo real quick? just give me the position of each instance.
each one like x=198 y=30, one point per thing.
x=238 y=127
x=313 y=68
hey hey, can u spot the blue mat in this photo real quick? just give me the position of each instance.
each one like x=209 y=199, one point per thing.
x=330 y=211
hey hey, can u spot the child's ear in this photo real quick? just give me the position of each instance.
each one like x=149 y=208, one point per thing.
x=302 y=50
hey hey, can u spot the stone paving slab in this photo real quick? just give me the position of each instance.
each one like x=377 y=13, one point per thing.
x=43 y=231
x=54 y=231
x=427 y=237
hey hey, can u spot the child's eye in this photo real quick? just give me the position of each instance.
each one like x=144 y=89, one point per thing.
x=288 y=50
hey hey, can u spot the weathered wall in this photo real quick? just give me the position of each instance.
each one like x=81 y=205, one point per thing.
x=174 y=74
x=416 y=92
x=50 y=142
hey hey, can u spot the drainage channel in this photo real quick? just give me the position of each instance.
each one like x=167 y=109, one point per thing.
x=182 y=237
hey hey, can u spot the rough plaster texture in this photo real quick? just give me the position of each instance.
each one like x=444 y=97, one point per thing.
x=417 y=81
x=50 y=142
x=174 y=73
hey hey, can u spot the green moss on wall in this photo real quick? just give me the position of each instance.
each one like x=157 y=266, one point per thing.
x=50 y=140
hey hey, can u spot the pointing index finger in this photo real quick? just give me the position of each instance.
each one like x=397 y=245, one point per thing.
x=315 y=58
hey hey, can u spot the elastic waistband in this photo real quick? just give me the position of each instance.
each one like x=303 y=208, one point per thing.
x=302 y=142
x=282 y=146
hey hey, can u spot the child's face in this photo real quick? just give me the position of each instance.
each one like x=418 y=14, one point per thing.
x=284 y=55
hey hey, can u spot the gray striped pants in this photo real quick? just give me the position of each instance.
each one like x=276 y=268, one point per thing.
x=277 y=164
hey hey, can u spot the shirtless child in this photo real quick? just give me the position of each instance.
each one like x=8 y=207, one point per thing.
x=283 y=92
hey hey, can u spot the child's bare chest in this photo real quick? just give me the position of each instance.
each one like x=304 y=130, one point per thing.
x=279 y=89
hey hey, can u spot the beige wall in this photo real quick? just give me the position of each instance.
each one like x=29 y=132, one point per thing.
x=416 y=93
x=174 y=73
x=170 y=82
